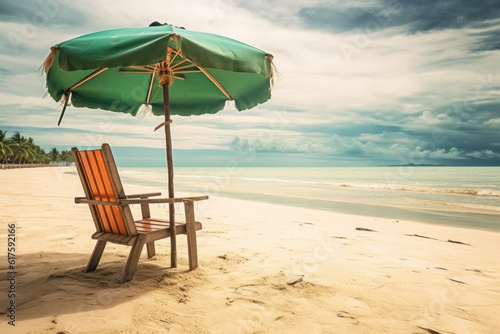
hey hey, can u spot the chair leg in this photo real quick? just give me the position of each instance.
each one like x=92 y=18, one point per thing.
x=151 y=249
x=191 y=234
x=96 y=256
x=133 y=258
x=173 y=236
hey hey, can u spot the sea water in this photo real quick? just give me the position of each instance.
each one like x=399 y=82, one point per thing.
x=459 y=196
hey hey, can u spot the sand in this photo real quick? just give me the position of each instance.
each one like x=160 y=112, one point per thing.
x=263 y=269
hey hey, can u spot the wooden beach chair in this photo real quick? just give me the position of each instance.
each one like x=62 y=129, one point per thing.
x=113 y=219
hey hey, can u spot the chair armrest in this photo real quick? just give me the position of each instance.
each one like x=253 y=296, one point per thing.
x=143 y=195
x=84 y=200
x=161 y=200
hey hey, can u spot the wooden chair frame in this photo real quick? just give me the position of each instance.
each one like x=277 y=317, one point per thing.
x=110 y=209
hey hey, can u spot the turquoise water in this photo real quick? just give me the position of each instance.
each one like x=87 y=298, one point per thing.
x=460 y=196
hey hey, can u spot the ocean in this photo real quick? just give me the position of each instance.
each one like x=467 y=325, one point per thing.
x=458 y=196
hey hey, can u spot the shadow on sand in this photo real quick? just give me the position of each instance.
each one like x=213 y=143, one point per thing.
x=55 y=283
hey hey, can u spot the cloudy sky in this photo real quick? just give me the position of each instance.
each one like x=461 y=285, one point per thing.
x=363 y=83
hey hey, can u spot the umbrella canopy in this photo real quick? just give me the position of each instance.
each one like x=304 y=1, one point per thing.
x=118 y=70
x=166 y=69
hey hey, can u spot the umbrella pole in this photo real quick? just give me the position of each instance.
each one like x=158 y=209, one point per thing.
x=170 y=167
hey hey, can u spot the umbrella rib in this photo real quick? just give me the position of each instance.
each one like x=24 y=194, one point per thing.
x=150 y=88
x=176 y=52
x=180 y=72
x=125 y=71
x=215 y=82
x=176 y=68
x=143 y=68
x=87 y=78
x=66 y=100
x=182 y=61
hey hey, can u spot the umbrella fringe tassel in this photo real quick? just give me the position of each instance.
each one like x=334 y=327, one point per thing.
x=47 y=64
x=63 y=100
x=275 y=74
x=146 y=109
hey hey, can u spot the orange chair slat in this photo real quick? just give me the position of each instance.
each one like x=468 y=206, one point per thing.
x=101 y=191
x=110 y=192
x=104 y=214
x=90 y=178
x=100 y=194
x=100 y=173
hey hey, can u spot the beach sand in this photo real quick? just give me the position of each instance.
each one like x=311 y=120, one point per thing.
x=262 y=269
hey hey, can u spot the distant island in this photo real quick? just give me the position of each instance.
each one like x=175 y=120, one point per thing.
x=415 y=165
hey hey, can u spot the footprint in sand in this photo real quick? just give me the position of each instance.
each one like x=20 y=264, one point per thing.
x=476 y=271
x=346 y=315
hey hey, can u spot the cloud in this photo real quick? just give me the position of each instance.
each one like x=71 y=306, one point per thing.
x=452 y=153
x=40 y=13
x=493 y=122
x=412 y=16
x=487 y=42
x=484 y=154
x=277 y=146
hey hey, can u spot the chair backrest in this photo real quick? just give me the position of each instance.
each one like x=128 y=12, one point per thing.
x=101 y=182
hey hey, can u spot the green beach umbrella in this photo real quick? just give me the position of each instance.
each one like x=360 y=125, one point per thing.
x=163 y=69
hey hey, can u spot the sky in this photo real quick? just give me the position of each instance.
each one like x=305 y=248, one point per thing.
x=362 y=83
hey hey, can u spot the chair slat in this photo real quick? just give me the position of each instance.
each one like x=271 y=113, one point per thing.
x=110 y=192
x=97 y=235
x=100 y=192
x=90 y=178
x=109 y=161
x=115 y=238
x=99 y=182
x=154 y=223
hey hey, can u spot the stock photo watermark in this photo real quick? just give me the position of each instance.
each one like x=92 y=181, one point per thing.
x=12 y=273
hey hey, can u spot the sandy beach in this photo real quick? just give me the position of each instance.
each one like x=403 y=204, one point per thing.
x=262 y=269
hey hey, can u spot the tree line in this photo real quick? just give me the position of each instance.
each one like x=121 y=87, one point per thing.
x=18 y=149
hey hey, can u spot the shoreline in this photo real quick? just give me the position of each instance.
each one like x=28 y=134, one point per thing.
x=15 y=166
x=438 y=218
x=262 y=268
x=484 y=219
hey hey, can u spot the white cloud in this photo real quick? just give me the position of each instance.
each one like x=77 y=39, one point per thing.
x=484 y=154
x=494 y=122
x=283 y=146
x=452 y=153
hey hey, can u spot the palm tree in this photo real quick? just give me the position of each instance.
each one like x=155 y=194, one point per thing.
x=40 y=155
x=5 y=151
x=66 y=158
x=22 y=153
x=32 y=147
x=22 y=148
x=19 y=149
x=53 y=155
x=17 y=138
